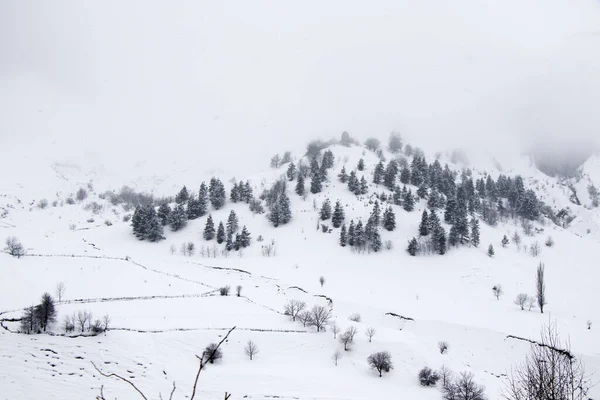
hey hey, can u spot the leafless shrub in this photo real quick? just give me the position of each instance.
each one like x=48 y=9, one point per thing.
x=107 y=222
x=14 y=247
x=531 y=302
x=212 y=353
x=83 y=318
x=70 y=201
x=535 y=250
x=94 y=207
x=259 y=238
x=126 y=217
x=464 y=388
x=380 y=361
x=293 y=308
x=527 y=227
x=238 y=290
x=251 y=349
x=68 y=325
x=96 y=327
x=43 y=203
x=355 y=317
x=497 y=290
x=305 y=317
x=190 y=248
x=589 y=324
x=224 y=291
x=336 y=357
x=428 y=377
x=172 y=249
x=388 y=245
x=370 y=332
x=521 y=300
x=443 y=346
x=335 y=329
x=446 y=376
x=549 y=242
x=347 y=338
x=268 y=249
x=320 y=317
x=61 y=288
x=106 y=320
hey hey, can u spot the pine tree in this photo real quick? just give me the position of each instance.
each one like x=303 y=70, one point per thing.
x=424 y=225
x=235 y=193
x=325 y=210
x=378 y=173
x=389 y=179
x=194 y=208
x=376 y=213
x=202 y=200
x=221 y=233
x=328 y=159
x=216 y=193
x=453 y=237
x=375 y=242
x=323 y=173
x=412 y=247
x=245 y=238
x=138 y=222
x=361 y=165
x=491 y=251
x=178 y=218
x=237 y=243
x=438 y=237
x=343 y=236
x=229 y=243
x=343 y=176
x=434 y=202
x=408 y=202
x=475 y=232
x=450 y=212
x=182 y=196
x=300 y=186
x=370 y=229
x=232 y=223
x=209 y=229
x=389 y=219
x=351 y=233
x=397 y=198
x=164 y=213
x=338 y=215
x=154 y=230
x=364 y=186
x=405 y=176
x=505 y=241
x=422 y=191
x=291 y=172
x=353 y=184
x=286 y=211
x=359 y=235
x=316 y=185
x=247 y=192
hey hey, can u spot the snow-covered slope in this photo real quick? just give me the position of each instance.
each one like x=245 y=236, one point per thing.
x=164 y=307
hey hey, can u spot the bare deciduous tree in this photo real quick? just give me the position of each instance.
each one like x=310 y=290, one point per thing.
x=335 y=329
x=540 y=287
x=443 y=346
x=380 y=361
x=336 y=357
x=238 y=290
x=370 y=332
x=521 y=300
x=305 y=317
x=464 y=388
x=320 y=317
x=355 y=317
x=550 y=371
x=428 y=377
x=497 y=289
x=60 y=290
x=172 y=249
x=14 y=247
x=83 y=318
x=106 y=321
x=535 y=250
x=293 y=308
x=251 y=349
x=446 y=376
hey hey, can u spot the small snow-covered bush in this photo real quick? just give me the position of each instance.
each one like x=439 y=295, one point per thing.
x=224 y=291
x=82 y=194
x=212 y=353
x=43 y=203
x=380 y=361
x=443 y=346
x=428 y=377
x=355 y=317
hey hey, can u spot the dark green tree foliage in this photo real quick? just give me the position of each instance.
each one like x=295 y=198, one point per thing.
x=229 y=243
x=182 y=196
x=351 y=230
x=328 y=159
x=300 y=186
x=235 y=193
x=244 y=237
x=375 y=241
x=237 y=243
x=378 y=173
x=316 y=182
x=325 y=210
x=247 y=194
x=178 y=218
x=397 y=197
x=453 y=237
x=194 y=208
x=364 y=186
x=370 y=229
x=232 y=223
x=343 y=176
x=475 y=232
x=376 y=213
x=435 y=175
x=315 y=169
x=505 y=241
x=216 y=193
x=202 y=200
x=209 y=229
x=435 y=200
x=450 y=212
x=424 y=225
x=323 y=173
x=389 y=219
x=408 y=201
x=422 y=191
x=281 y=212
x=405 y=176
x=361 y=165
x=416 y=173
x=491 y=251
x=413 y=246
x=164 y=213
x=490 y=188
x=343 y=236
x=221 y=233
x=338 y=215
x=353 y=183
x=438 y=234
x=146 y=224
x=359 y=235
x=138 y=222
x=291 y=172
x=45 y=312
x=389 y=178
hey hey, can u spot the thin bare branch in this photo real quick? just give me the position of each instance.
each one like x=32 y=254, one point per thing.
x=121 y=378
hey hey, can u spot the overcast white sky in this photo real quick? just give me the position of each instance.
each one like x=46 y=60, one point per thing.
x=234 y=81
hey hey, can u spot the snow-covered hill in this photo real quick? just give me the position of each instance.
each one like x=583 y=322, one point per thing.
x=165 y=307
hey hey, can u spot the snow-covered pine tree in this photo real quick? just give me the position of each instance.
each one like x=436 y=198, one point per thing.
x=475 y=231
x=154 y=230
x=232 y=223
x=237 y=242
x=315 y=169
x=281 y=212
x=413 y=246
x=359 y=235
x=316 y=184
x=405 y=176
x=343 y=176
x=325 y=210
x=247 y=192
x=193 y=208
x=209 y=229
x=235 y=193
x=505 y=241
x=328 y=159
x=491 y=251
x=395 y=143
x=364 y=186
x=353 y=183
x=453 y=237
x=178 y=218
x=389 y=178
x=376 y=213
x=361 y=165
x=139 y=222
x=216 y=193
x=397 y=197
x=450 y=212
x=164 y=213
x=182 y=196
x=323 y=173
x=378 y=173
x=408 y=202
x=291 y=172
x=375 y=242
x=439 y=238
x=435 y=201
x=202 y=200
x=245 y=238
x=229 y=243
x=343 y=236
x=221 y=233
x=300 y=186
x=370 y=228
x=338 y=215
x=351 y=233
x=389 y=219
x=424 y=225
x=422 y=191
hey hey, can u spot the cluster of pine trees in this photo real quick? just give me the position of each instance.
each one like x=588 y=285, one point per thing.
x=367 y=237
x=225 y=233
